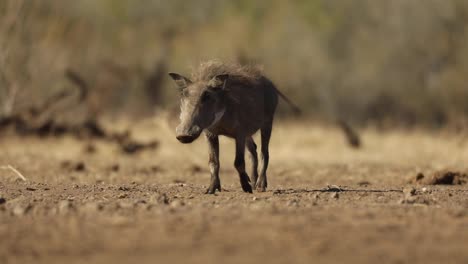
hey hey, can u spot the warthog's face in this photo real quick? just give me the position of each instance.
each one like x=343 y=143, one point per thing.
x=201 y=105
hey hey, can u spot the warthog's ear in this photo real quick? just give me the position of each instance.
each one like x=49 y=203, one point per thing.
x=219 y=81
x=181 y=81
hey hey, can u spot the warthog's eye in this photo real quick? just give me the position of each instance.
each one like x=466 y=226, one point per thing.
x=205 y=97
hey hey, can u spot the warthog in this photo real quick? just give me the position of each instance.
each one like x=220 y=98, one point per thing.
x=234 y=101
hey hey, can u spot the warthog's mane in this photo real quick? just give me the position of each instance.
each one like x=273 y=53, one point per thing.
x=240 y=73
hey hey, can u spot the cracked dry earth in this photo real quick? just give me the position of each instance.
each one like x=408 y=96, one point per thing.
x=326 y=203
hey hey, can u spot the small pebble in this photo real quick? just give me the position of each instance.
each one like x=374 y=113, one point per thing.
x=64 y=206
x=125 y=205
x=177 y=203
x=21 y=210
x=409 y=191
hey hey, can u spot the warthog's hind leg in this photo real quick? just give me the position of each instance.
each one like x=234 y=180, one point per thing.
x=262 y=182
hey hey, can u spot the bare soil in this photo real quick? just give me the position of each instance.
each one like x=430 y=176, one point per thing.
x=326 y=202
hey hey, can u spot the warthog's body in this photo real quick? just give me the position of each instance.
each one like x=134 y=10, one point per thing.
x=233 y=101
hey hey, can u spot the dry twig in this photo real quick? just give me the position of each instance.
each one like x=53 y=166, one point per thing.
x=9 y=167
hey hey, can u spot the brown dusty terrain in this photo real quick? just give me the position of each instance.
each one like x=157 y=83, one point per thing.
x=326 y=203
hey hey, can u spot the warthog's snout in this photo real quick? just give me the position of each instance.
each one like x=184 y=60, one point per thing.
x=188 y=135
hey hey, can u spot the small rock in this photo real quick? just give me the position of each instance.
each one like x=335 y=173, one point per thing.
x=364 y=183
x=80 y=166
x=254 y=198
x=64 y=206
x=126 y=205
x=21 y=210
x=333 y=188
x=419 y=176
x=91 y=207
x=30 y=189
x=115 y=168
x=409 y=191
x=2 y=200
x=159 y=199
x=315 y=196
x=178 y=181
x=123 y=195
x=177 y=204
x=124 y=188
x=335 y=195
x=155 y=168
x=292 y=202
x=90 y=148
x=276 y=192
x=196 y=169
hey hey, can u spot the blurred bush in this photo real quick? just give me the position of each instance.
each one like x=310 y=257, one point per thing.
x=369 y=61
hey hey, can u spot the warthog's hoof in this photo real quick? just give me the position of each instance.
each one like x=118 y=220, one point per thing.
x=213 y=187
x=245 y=183
x=261 y=185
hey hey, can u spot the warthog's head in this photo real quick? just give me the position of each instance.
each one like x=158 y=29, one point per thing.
x=201 y=105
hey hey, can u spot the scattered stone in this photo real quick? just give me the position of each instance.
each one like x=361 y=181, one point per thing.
x=132 y=147
x=333 y=188
x=444 y=177
x=254 y=198
x=177 y=204
x=70 y=165
x=123 y=195
x=419 y=176
x=159 y=199
x=335 y=195
x=276 y=192
x=64 y=206
x=409 y=191
x=115 y=168
x=20 y=210
x=196 y=169
x=2 y=200
x=125 y=205
x=90 y=148
x=30 y=189
x=156 y=168
x=292 y=203
x=364 y=183
x=178 y=181
x=80 y=166
x=91 y=207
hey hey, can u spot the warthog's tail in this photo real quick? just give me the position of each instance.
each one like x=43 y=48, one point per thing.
x=295 y=108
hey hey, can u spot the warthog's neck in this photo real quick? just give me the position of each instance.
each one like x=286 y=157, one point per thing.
x=218 y=116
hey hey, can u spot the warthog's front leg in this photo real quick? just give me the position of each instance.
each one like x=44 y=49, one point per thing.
x=239 y=163
x=215 y=183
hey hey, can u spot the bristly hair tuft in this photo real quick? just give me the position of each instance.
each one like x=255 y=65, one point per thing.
x=209 y=69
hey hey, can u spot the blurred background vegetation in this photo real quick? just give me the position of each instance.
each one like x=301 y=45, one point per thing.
x=372 y=62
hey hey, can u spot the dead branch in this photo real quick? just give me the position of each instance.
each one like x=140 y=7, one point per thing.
x=76 y=79
x=11 y=168
x=351 y=135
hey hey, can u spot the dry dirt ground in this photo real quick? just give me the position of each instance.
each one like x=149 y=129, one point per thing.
x=326 y=203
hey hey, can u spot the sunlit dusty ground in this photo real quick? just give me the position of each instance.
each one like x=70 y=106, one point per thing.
x=150 y=207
